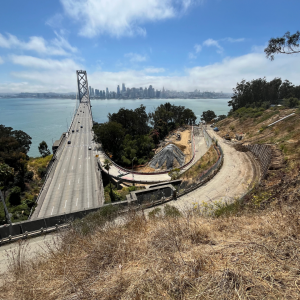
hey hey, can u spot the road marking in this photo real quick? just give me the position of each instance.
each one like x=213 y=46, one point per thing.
x=69 y=182
x=52 y=211
x=78 y=180
x=63 y=170
x=72 y=167
x=58 y=186
x=66 y=203
x=76 y=201
x=80 y=166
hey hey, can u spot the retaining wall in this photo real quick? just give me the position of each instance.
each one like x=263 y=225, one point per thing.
x=264 y=154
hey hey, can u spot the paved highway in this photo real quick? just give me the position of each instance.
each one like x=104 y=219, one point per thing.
x=74 y=185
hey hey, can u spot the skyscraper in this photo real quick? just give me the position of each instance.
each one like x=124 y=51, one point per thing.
x=123 y=87
x=107 y=93
x=118 y=90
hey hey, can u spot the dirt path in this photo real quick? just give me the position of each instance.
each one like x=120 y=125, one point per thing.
x=233 y=180
x=183 y=144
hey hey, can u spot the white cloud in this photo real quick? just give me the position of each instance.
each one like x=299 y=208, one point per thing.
x=47 y=64
x=192 y=55
x=121 y=17
x=197 y=48
x=154 y=70
x=211 y=42
x=55 y=21
x=1 y=60
x=231 y=40
x=135 y=58
x=42 y=75
x=57 y=46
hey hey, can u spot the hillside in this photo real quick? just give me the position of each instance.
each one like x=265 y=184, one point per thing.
x=244 y=250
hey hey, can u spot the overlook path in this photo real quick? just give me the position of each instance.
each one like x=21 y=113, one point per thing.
x=233 y=180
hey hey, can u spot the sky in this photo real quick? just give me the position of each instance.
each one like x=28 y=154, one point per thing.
x=208 y=45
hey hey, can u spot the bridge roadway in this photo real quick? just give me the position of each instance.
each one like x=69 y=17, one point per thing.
x=74 y=185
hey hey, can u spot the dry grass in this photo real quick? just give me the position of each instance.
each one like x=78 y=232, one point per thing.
x=189 y=257
x=39 y=162
x=203 y=164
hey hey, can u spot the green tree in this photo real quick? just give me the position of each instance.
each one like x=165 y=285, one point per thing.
x=135 y=122
x=15 y=196
x=43 y=149
x=110 y=135
x=6 y=176
x=291 y=102
x=287 y=44
x=208 y=116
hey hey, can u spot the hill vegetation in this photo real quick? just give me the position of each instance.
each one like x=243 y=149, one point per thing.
x=131 y=135
x=261 y=93
x=20 y=176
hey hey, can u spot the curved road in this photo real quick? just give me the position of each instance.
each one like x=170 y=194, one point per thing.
x=200 y=150
x=232 y=181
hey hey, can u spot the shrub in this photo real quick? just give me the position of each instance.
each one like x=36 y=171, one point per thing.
x=42 y=172
x=154 y=213
x=171 y=211
x=28 y=176
x=15 y=196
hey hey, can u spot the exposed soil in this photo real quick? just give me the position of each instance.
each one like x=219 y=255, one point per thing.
x=182 y=144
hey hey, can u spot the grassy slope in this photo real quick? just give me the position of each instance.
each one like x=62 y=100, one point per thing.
x=245 y=250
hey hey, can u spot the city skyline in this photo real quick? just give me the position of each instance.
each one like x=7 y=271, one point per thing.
x=125 y=93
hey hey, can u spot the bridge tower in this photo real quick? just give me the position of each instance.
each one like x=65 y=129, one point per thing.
x=83 y=87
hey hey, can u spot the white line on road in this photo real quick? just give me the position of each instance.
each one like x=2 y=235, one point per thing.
x=80 y=166
x=69 y=182
x=76 y=201
x=58 y=186
x=78 y=180
x=72 y=167
x=63 y=170
x=66 y=203
x=52 y=210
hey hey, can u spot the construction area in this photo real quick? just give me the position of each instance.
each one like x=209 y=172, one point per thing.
x=173 y=152
x=168 y=158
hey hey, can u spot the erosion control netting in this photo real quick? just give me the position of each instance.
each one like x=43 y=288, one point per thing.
x=168 y=158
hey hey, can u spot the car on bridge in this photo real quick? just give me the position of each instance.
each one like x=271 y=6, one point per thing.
x=73 y=130
x=69 y=142
x=81 y=126
x=90 y=148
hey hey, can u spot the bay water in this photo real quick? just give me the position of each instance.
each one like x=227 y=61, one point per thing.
x=46 y=119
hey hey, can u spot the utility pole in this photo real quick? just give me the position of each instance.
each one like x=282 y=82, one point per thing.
x=5 y=208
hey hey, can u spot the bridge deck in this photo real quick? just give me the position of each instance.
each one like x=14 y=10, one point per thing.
x=74 y=184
